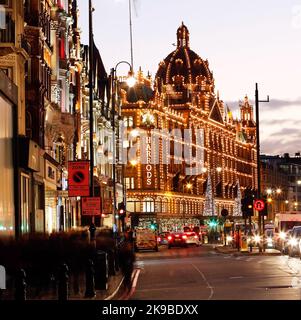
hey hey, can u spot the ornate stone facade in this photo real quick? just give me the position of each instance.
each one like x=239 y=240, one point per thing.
x=184 y=98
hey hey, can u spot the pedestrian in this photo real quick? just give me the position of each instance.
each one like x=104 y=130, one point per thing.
x=127 y=259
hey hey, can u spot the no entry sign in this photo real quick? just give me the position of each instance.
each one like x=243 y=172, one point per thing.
x=78 y=178
x=259 y=205
x=91 y=206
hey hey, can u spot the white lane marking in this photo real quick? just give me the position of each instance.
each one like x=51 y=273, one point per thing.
x=249 y=259
x=238 y=258
x=238 y=277
x=204 y=278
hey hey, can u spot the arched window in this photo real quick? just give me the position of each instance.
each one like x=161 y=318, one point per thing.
x=148 y=205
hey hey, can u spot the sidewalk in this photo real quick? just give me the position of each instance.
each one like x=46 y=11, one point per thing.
x=255 y=251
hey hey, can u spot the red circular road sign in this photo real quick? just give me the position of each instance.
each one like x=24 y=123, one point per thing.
x=259 y=205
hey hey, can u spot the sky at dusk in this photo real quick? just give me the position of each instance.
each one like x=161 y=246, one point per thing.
x=244 y=41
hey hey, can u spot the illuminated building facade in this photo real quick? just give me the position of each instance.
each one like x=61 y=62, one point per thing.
x=183 y=98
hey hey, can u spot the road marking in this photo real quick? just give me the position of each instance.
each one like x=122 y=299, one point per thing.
x=133 y=288
x=204 y=278
x=238 y=258
x=249 y=259
x=238 y=277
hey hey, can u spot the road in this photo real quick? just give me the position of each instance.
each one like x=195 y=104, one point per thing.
x=203 y=274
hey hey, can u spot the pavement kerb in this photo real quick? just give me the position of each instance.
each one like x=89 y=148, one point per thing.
x=110 y=297
x=236 y=253
x=127 y=294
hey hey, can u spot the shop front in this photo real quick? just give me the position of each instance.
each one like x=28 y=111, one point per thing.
x=52 y=216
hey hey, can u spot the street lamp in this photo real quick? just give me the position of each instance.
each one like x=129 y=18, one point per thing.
x=114 y=85
x=298 y=182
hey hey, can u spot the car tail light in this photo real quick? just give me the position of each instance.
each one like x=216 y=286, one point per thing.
x=169 y=237
x=159 y=239
x=177 y=236
x=184 y=236
x=195 y=237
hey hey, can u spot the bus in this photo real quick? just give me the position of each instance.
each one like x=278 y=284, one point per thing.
x=283 y=223
x=286 y=221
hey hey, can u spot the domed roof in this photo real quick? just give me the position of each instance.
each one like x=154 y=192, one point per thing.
x=183 y=62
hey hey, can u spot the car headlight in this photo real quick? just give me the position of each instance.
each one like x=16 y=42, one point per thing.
x=257 y=238
x=293 y=242
x=229 y=238
x=282 y=235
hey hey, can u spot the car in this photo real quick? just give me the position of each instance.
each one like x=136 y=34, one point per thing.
x=293 y=243
x=192 y=238
x=269 y=242
x=283 y=241
x=177 y=239
x=162 y=238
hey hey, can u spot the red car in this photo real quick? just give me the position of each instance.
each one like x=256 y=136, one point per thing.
x=177 y=240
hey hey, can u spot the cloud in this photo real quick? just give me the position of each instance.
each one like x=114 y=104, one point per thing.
x=287 y=132
x=273 y=104
x=279 y=147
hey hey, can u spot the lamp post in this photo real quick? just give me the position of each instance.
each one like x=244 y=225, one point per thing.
x=114 y=88
x=298 y=182
x=91 y=86
x=261 y=231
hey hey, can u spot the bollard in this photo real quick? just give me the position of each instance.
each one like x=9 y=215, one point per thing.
x=90 y=280
x=116 y=257
x=63 y=285
x=20 y=286
x=92 y=230
x=101 y=270
x=111 y=262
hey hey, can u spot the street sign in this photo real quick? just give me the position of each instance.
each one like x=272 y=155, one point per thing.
x=224 y=212
x=107 y=206
x=91 y=206
x=259 y=205
x=78 y=178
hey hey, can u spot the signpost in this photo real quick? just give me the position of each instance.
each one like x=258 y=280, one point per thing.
x=259 y=205
x=91 y=206
x=78 y=178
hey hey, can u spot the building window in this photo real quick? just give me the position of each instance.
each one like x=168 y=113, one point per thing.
x=128 y=122
x=130 y=183
x=148 y=205
x=24 y=203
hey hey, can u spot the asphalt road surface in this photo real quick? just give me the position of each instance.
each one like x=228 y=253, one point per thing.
x=200 y=273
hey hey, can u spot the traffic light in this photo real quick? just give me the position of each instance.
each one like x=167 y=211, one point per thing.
x=153 y=225
x=121 y=210
x=264 y=212
x=212 y=223
x=247 y=206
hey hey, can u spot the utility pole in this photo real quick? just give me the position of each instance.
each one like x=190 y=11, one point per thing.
x=260 y=225
x=91 y=85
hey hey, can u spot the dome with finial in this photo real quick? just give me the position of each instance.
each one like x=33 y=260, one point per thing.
x=183 y=65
